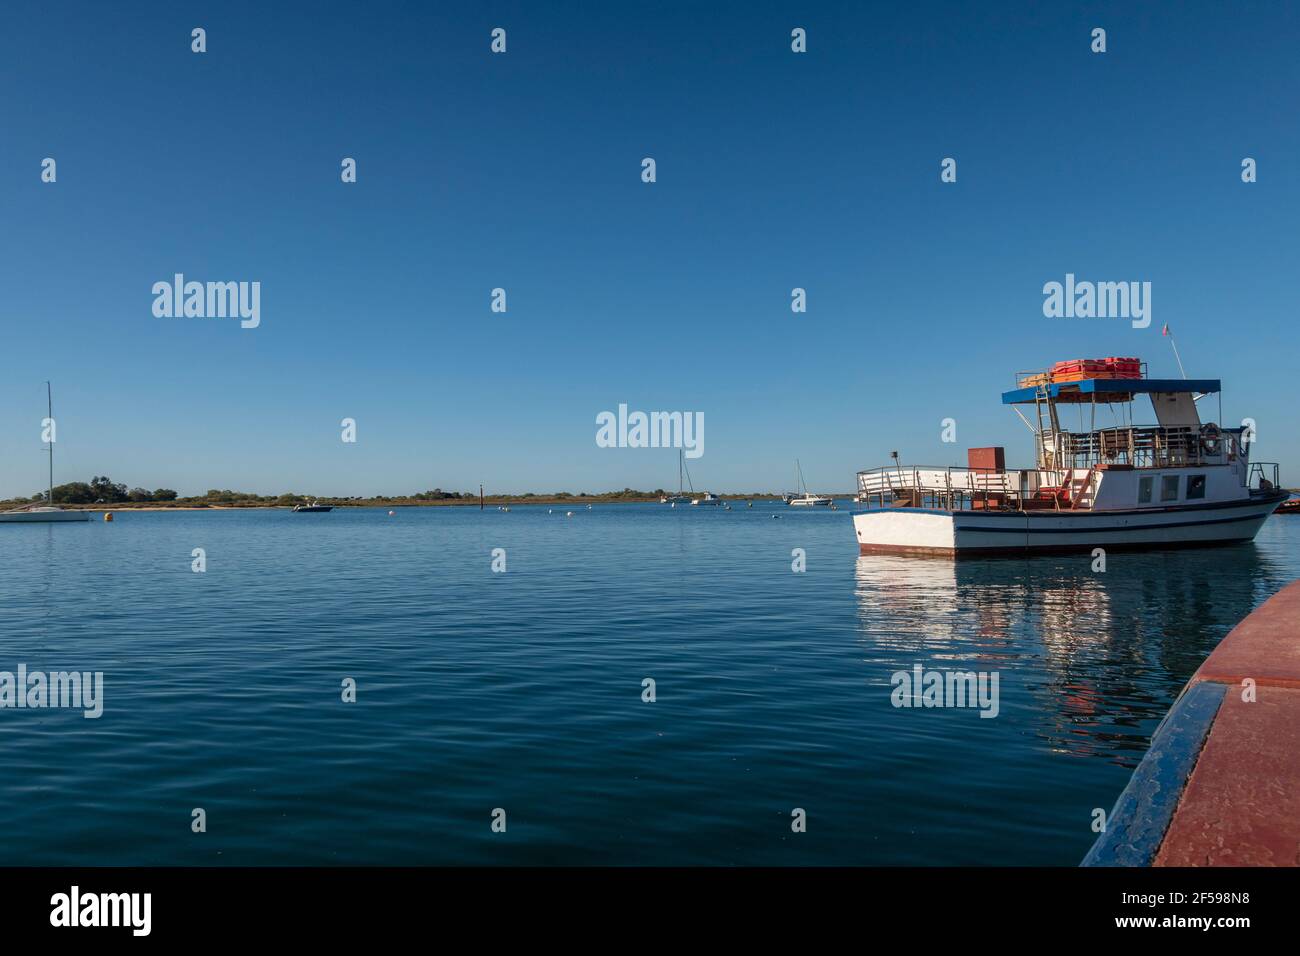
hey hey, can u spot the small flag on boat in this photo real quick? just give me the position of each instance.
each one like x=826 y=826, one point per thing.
x=1165 y=330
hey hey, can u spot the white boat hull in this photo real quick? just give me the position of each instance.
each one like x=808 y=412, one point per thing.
x=43 y=516
x=951 y=533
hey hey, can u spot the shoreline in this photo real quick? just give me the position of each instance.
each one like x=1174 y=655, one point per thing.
x=488 y=502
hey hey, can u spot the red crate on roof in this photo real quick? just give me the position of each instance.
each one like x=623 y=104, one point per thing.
x=1076 y=370
x=1126 y=367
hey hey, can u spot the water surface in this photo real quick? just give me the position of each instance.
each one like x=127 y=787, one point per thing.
x=523 y=690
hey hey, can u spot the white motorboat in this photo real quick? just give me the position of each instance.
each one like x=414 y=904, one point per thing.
x=805 y=500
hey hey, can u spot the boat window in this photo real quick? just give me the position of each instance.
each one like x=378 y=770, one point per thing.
x=1144 y=490
x=1168 y=487
x=1195 y=486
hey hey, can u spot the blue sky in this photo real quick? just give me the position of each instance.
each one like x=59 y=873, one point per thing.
x=522 y=171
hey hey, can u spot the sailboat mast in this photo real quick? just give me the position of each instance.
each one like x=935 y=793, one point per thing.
x=49 y=412
x=679 y=472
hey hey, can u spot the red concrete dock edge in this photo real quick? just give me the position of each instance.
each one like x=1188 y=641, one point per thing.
x=1241 y=804
x=1220 y=784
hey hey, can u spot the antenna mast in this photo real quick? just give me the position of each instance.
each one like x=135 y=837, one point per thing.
x=49 y=413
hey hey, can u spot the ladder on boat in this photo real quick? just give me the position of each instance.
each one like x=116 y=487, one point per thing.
x=1082 y=489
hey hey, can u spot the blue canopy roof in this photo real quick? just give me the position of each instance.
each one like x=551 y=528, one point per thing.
x=1106 y=389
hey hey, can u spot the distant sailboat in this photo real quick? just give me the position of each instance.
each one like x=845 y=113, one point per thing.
x=681 y=497
x=696 y=499
x=46 y=512
x=806 y=500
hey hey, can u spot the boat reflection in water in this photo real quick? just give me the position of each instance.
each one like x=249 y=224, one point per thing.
x=1088 y=661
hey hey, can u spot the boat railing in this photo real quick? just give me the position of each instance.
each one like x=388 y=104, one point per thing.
x=1264 y=476
x=940 y=487
x=1158 y=446
x=953 y=488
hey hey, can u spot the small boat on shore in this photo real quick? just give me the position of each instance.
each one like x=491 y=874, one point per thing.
x=314 y=506
x=1179 y=482
x=46 y=513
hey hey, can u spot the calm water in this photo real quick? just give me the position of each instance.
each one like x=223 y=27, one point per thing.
x=523 y=690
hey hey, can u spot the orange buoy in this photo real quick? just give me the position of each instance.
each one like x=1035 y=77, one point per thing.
x=108 y=516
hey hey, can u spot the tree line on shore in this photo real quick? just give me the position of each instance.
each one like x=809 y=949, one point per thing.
x=103 y=490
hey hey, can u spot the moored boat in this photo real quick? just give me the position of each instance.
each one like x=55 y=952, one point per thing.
x=42 y=513
x=46 y=513
x=1179 y=482
x=681 y=497
x=804 y=499
x=314 y=506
